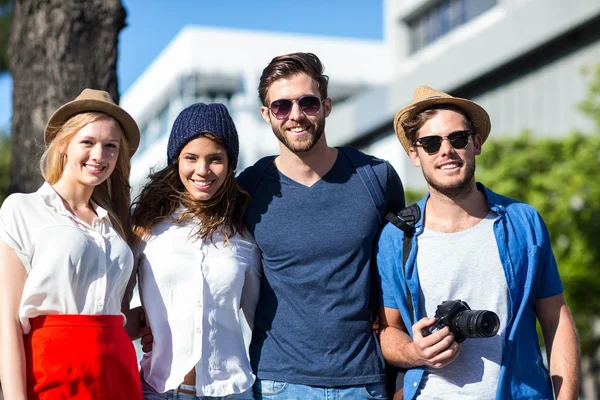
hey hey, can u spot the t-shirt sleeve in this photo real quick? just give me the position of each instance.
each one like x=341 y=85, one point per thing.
x=13 y=229
x=244 y=178
x=387 y=259
x=394 y=191
x=249 y=178
x=550 y=283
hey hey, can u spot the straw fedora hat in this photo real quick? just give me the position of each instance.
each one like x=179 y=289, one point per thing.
x=94 y=100
x=425 y=97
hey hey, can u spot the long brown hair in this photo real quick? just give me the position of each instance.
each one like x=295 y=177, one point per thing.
x=114 y=193
x=165 y=192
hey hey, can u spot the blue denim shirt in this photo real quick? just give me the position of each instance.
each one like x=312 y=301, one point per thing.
x=531 y=273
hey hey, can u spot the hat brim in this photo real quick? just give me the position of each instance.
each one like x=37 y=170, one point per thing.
x=476 y=113
x=75 y=107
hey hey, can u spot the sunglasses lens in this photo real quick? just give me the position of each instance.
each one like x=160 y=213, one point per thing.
x=431 y=144
x=310 y=105
x=281 y=108
x=459 y=140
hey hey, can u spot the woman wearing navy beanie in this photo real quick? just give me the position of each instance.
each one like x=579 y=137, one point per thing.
x=197 y=266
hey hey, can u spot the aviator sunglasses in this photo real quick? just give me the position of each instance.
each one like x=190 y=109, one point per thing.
x=432 y=144
x=309 y=105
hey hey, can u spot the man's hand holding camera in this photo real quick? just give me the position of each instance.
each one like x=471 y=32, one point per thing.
x=435 y=341
x=436 y=350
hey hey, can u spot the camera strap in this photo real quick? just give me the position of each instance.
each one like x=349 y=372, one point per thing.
x=405 y=220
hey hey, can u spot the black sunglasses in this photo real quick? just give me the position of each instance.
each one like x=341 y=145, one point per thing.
x=432 y=144
x=282 y=108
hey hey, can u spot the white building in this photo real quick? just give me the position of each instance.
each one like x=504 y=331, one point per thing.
x=520 y=59
x=224 y=65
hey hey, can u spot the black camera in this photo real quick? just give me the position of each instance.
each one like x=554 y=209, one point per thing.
x=463 y=322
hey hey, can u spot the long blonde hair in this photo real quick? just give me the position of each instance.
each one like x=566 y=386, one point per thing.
x=114 y=193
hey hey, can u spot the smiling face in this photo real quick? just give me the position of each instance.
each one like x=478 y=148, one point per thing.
x=450 y=171
x=91 y=154
x=203 y=167
x=298 y=132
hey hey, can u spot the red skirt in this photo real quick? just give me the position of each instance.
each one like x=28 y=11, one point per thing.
x=80 y=357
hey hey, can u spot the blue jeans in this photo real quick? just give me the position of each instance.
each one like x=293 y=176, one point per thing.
x=273 y=390
x=151 y=394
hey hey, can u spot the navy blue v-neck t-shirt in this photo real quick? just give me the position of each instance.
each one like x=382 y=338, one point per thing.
x=312 y=322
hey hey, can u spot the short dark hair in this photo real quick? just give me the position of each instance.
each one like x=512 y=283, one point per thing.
x=292 y=64
x=412 y=125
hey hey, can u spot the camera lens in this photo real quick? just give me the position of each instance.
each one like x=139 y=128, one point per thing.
x=476 y=323
x=488 y=323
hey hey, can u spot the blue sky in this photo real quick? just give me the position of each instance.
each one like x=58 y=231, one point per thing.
x=152 y=24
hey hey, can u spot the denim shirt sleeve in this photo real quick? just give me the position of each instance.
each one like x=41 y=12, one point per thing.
x=392 y=293
x=550 y=283
x=387 y=263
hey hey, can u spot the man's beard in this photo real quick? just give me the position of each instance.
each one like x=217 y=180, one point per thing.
x=308 y=142
x=457 y=190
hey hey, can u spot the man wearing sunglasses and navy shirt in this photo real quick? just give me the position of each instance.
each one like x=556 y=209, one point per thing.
x=316 y=224
x=471 y=244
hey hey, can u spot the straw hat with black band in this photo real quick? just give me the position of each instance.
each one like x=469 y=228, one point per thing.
x=99 y=101
x=426 y=97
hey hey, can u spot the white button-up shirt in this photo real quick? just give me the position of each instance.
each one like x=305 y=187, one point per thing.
x=192 y=291
x=73 y=268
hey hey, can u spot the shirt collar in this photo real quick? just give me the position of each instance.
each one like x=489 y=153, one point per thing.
x=179 y=211
x=54 y=201
x=100 y=212
x=494 y=203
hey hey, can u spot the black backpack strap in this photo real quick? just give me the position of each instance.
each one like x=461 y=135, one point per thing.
x=362 y=165
x=405 y=220
x=406 y=246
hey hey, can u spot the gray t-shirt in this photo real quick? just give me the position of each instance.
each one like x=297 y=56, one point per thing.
x=464 y=265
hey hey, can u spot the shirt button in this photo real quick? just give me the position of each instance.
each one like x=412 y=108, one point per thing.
x=199 y=304
x=198 y=330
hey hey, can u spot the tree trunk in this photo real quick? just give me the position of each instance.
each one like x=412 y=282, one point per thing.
x=57 y=48
x=5 y=16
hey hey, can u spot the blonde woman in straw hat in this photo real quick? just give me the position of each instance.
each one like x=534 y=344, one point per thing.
x=491 y=252
x=66 y=263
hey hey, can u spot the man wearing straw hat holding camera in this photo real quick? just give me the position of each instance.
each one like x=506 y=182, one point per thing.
x=472 y=244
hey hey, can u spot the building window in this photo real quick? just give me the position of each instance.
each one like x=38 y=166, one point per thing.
x=443 y=17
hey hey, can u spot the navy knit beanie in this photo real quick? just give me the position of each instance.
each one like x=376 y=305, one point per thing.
x=202 y=117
